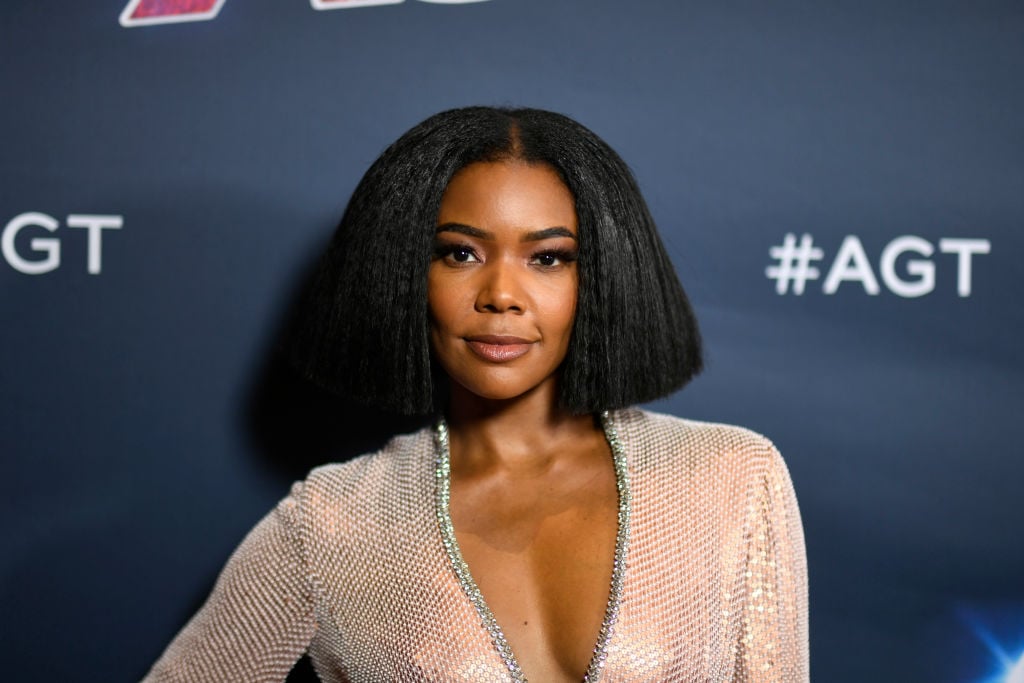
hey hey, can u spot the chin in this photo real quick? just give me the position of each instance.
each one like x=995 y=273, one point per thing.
x=495 y=394
x=505 y=391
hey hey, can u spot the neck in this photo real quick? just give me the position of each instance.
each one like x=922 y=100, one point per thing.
x=520 y=434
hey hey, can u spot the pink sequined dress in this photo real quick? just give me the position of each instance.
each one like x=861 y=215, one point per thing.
x=353 y=569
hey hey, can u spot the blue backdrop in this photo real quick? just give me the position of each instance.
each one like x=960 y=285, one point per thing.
x=840 y=185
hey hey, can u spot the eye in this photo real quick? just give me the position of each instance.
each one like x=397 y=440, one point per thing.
x=462 y=255
x=553 y=259
x=455 y=254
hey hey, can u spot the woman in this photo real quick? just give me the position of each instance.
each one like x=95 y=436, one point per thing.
x=500 y=268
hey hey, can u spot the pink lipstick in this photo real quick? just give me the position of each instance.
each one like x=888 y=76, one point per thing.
x=498 y=348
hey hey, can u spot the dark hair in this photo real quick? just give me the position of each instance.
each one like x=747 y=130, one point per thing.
x=363 y=331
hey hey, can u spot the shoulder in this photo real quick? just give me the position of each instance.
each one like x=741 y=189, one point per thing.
x=706 y=455
x=344 y=490
x=655 y=435
x=681 y=465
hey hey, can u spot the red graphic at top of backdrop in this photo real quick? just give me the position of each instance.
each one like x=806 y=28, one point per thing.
x=139 y=12
x=340 y=4
x=144 y=12
x=163 y=8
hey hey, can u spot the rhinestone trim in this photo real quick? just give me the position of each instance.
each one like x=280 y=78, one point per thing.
x=442 y=474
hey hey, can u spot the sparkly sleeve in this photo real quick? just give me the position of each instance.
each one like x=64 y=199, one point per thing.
x=258 y=620
x=774 y=642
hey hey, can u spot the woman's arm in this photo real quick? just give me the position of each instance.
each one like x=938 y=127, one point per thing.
x=258 y=620
x=773 y=638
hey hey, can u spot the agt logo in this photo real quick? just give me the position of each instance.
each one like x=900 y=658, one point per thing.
x=42 y=254
x=146 y=12
x=794 y=265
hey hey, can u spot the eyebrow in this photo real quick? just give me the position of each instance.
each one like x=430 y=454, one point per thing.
x=532 y=236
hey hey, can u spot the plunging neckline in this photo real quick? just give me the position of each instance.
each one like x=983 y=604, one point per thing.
x=443 y=478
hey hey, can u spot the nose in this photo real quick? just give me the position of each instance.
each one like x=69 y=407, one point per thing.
x=499 y=289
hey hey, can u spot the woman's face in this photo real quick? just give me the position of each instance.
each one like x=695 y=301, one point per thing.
x=502 y=283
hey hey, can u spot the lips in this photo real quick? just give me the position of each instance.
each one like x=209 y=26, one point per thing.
x=499 y=348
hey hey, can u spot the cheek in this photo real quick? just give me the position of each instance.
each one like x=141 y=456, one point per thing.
x=446 y=307
x=437 y=301
x=561 y=307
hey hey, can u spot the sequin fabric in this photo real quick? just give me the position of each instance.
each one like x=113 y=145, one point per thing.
x=461 y=569
x=352 y=568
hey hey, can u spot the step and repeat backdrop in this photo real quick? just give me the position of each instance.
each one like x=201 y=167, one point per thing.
x=840 y=186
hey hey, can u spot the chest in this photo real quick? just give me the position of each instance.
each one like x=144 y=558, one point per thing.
x=542 y=557
x=391 y=603
x=391 y=607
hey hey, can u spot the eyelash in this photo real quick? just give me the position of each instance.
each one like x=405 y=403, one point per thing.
x=563 y=256
x=444 y=251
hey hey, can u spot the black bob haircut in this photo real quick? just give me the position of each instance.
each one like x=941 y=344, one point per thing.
x=363 y=330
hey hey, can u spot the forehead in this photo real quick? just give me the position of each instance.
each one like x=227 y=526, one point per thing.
x=514 y=194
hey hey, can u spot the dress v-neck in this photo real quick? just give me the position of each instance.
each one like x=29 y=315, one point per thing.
x=442 y=475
